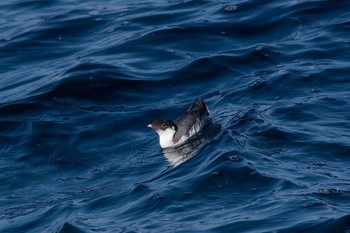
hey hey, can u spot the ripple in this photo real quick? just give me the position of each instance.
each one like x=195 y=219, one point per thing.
x=80 y=82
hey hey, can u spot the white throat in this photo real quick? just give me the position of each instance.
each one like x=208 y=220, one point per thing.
x=166 y=137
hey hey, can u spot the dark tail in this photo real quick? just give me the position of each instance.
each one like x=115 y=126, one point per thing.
x=199 y=105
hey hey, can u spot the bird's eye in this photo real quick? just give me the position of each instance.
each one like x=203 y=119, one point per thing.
x=163 y=125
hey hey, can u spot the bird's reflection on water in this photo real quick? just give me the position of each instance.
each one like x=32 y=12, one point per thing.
x=182 y=153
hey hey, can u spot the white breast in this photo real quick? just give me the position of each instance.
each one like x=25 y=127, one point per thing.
x=166 y=137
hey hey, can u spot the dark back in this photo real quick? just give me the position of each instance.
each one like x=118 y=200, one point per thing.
x=197 y=113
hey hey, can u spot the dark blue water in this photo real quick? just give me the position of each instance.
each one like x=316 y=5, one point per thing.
x=80 y=80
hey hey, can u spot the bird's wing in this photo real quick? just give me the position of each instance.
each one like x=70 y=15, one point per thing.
x=194 y=114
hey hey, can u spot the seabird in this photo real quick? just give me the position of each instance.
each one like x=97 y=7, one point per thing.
x=177 y=132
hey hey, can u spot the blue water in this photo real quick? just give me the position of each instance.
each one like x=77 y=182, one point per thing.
x=80 y=80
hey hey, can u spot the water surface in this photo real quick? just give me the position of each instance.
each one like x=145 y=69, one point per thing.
x=80 y=81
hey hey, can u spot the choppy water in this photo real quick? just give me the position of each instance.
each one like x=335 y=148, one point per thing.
x=80 y=80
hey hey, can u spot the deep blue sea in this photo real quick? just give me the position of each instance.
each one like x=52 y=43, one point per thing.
x=81 y=80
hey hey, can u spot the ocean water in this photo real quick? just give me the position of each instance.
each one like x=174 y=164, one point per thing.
x=80 y=81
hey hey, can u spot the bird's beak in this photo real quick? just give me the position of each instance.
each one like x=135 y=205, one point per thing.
x=149 y=125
